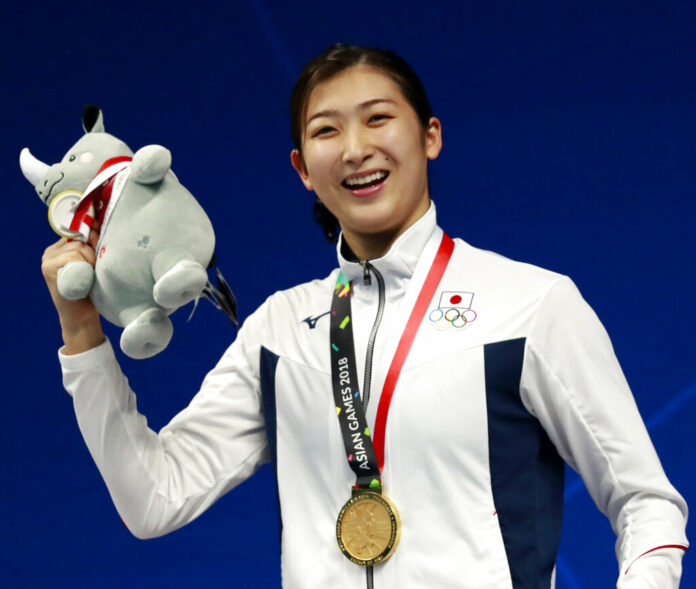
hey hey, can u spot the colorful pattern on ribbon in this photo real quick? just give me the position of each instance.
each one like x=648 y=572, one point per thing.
x=342 y=288
x=351 y=416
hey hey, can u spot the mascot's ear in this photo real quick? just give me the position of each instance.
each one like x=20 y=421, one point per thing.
x=92 y=119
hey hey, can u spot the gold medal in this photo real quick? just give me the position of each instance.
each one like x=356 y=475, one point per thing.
x=368 y=528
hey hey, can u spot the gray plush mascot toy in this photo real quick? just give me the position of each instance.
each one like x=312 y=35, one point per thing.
x=155 y=240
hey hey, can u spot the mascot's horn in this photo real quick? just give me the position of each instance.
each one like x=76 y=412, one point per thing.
x=33 y=169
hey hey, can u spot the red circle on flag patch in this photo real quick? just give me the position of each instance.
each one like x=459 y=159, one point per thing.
x=455 y=300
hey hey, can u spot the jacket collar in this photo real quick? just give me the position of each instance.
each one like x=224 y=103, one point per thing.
x=398 y=264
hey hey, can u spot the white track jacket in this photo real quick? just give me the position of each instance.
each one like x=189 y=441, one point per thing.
x=510 y=374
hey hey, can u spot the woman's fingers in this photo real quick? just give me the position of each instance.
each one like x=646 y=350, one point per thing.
x=61 y=260
x=87 y=252
x=93 y=239
x=63 y=245
x=54 y=246
x=60 y=253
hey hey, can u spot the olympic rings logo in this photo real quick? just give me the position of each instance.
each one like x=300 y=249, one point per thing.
x=444 y=318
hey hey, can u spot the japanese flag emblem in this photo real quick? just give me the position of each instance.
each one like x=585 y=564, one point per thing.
x=453 y=310
x=456 y=299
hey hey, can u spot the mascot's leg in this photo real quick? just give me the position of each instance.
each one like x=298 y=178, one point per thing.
x=75 y=280
x=178 y=278
x=146 y=333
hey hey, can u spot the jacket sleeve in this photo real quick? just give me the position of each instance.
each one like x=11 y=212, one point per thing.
x=159 y=482
x=572 y=383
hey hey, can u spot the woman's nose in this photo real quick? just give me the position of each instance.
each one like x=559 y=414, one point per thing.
x=357 y=146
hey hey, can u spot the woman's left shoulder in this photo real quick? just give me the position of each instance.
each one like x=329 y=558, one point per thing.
x=496 y=270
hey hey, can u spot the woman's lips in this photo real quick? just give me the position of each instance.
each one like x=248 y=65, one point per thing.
x=368 y=190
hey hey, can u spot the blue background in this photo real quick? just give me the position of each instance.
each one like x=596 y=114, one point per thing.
x=568 y=143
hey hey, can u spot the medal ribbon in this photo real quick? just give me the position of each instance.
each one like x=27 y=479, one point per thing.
x=344 y=375
x=98 y=192
x=365 y=456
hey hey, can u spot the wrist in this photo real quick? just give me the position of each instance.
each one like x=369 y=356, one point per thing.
x=82 y=338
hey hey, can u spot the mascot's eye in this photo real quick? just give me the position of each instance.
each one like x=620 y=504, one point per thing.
x=72 y=158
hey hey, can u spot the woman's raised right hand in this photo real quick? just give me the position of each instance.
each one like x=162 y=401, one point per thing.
x=79 y=319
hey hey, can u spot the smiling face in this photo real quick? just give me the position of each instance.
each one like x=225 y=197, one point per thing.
x=364 y=153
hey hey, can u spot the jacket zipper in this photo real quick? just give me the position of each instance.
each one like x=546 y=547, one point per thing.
x=367 y=280
x=375 y=326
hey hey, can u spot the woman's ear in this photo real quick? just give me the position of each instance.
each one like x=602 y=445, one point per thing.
x=433 y=138
x=300 y=168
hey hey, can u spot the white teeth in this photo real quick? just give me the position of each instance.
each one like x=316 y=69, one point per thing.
x=366 y=179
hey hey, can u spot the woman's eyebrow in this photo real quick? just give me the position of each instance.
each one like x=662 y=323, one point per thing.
x=373 y=101
x=322 y=113
x=362 y=106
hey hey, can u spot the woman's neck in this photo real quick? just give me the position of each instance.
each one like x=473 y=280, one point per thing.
x=369 y=247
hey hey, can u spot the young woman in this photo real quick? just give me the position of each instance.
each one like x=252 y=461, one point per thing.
x=417 y=404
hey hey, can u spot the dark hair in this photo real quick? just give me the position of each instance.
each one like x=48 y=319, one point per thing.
x=333 y=61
